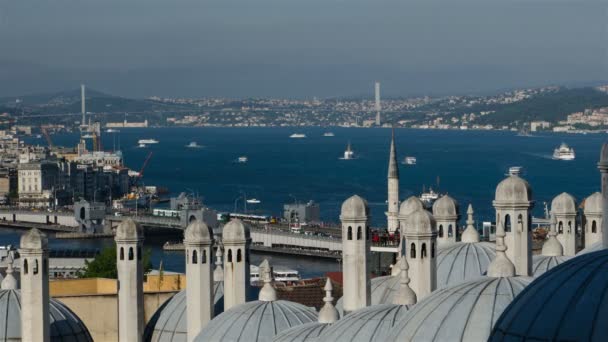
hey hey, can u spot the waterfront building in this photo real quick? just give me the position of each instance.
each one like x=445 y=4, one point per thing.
x=37 y=182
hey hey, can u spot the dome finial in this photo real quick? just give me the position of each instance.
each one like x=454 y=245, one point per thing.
x=470 y=234
x=218 y=273
x=552 y=247
x=405 y=296
x=267 y=293
x=9 y=282
x=328 y=313
x=501 y=266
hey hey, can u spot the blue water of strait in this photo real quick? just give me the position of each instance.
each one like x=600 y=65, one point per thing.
x=468 y=165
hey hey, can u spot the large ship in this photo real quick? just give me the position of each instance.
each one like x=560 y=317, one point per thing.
x=297 y=136
x=147 y=141
x=429 y=197
x=564 y=152
x=515 y=171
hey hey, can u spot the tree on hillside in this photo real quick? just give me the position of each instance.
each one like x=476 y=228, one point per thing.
x=104 y=264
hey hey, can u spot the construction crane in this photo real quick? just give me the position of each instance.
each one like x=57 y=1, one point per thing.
x=47 y=136
x=143 y=167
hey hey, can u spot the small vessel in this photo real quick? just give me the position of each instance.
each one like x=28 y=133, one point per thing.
x=111 y=130
x=147 y=141
x=429 y=197
x=87 y=136
x=253 y=201
x=298 y=136
x=349 y=153
x=142 y=146
x=242 y=159
x=279 y=274
x=409 y=161
x=328 y=134
x=193 y=144
x=515 y=171
x=38 y=136
x=564 y=152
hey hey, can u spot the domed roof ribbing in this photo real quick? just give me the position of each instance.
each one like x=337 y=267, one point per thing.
x=64 y=324
x=460 y=262
x=382 y=289
x=445 y=207
x=568 y=303
x=256 y=321
x=235 y=231
x=169 y=322
x=410 y=205
x=372 y=323
x=563 y=203
x=302 y=333
x=198 y=231
x=129 y=229
x=513 y=189
x=543 y=263
x=354 y=207
x=420 y=222
x=465 y=312
x=34 y=239
x=593 y=204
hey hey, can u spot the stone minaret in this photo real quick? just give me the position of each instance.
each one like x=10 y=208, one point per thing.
x=593 y=219
x=552 y=247
x=563 y=207
x=236 y=241
x=446 y=213
x=355 y=254
x=35 y=325
x=603 y=166
x=129 y=240
x=328 y=313
x=513 y=203
x=393 y=188
x=470 y=234
x=421 y=236
x=198 y=239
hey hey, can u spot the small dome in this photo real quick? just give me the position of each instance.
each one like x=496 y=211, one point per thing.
x=543 y=263
x=65 y=325
x=372 y=323
x=445 y=208
x=129 y=230
x=513 y=189
x=568 y=303
x=593 y=204
x=308 y=332
x=410 y=205
x=235 y=231
x=563 y=203
x=256 y=321
x=464 y=312
x=420 y=222
x=169 y=322
x=354 y=207
x=460 y=262
x=34 y=239
x=198 y=231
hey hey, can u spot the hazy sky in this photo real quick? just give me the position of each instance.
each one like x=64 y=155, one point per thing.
x=300 y=48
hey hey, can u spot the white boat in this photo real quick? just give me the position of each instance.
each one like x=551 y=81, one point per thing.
x=142 y=145
x=297 y=136
x=38 y=136
x=193 y=144
x=409 y=161
x=514 y=171
x=328 y=134
x=253 y=201
x=111 y=130
x=147 y=141
x=349 y=153
x=87 y=136
x=285 y=275
x=564 y=152
x=429 y=197
x=242 y=159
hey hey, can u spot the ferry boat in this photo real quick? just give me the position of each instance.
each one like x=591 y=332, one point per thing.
x=253 y=201
x=429 y=197
x=297 y=136
x=285 y=275
x=147 y=141
x=515 y=171
x=409 y=161
x=111 y=130
x=242 y=159
x=328 y=134
x=142 y=145
x=349 y=153
x=193 y=144
x=564 y=152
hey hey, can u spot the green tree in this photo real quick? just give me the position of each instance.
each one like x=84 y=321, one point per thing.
x=104 y=264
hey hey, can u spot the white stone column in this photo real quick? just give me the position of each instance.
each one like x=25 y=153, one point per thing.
x=236 y=240
x=393 y=188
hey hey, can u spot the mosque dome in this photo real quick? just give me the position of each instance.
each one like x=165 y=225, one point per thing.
x=354 y=207
x=198 y=231
x=410 y=205
x=235 y=230
x=372 y=323
x=127 y=229
x=420 y=222
x=568 y=303
x=446 y=208
x=64 y=324
x=598 y=246
x=169 y=322
x=563 y=203
x=383 y=291
x=34 y=239
x=513 y=189
x=543 y=263
x=460 y=262
x=464 y=312
x=593 y=204
x=256 y=321
x=308 y=332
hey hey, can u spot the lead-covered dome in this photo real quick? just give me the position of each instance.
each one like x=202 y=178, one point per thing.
x=513 y=189
x=64 y=324
x=593 y=204
x=354 y=207
x=198 y=231
x=460 y=262
x=34 y=239
x=382 y=291
x=302 y=333
x=563 y=203
x=465 y=312
x=235 y=231
x=543 y=263
x=598 y=246
x=410 y=205
x=568 y=303
x=445 y=208
x=256 y=321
